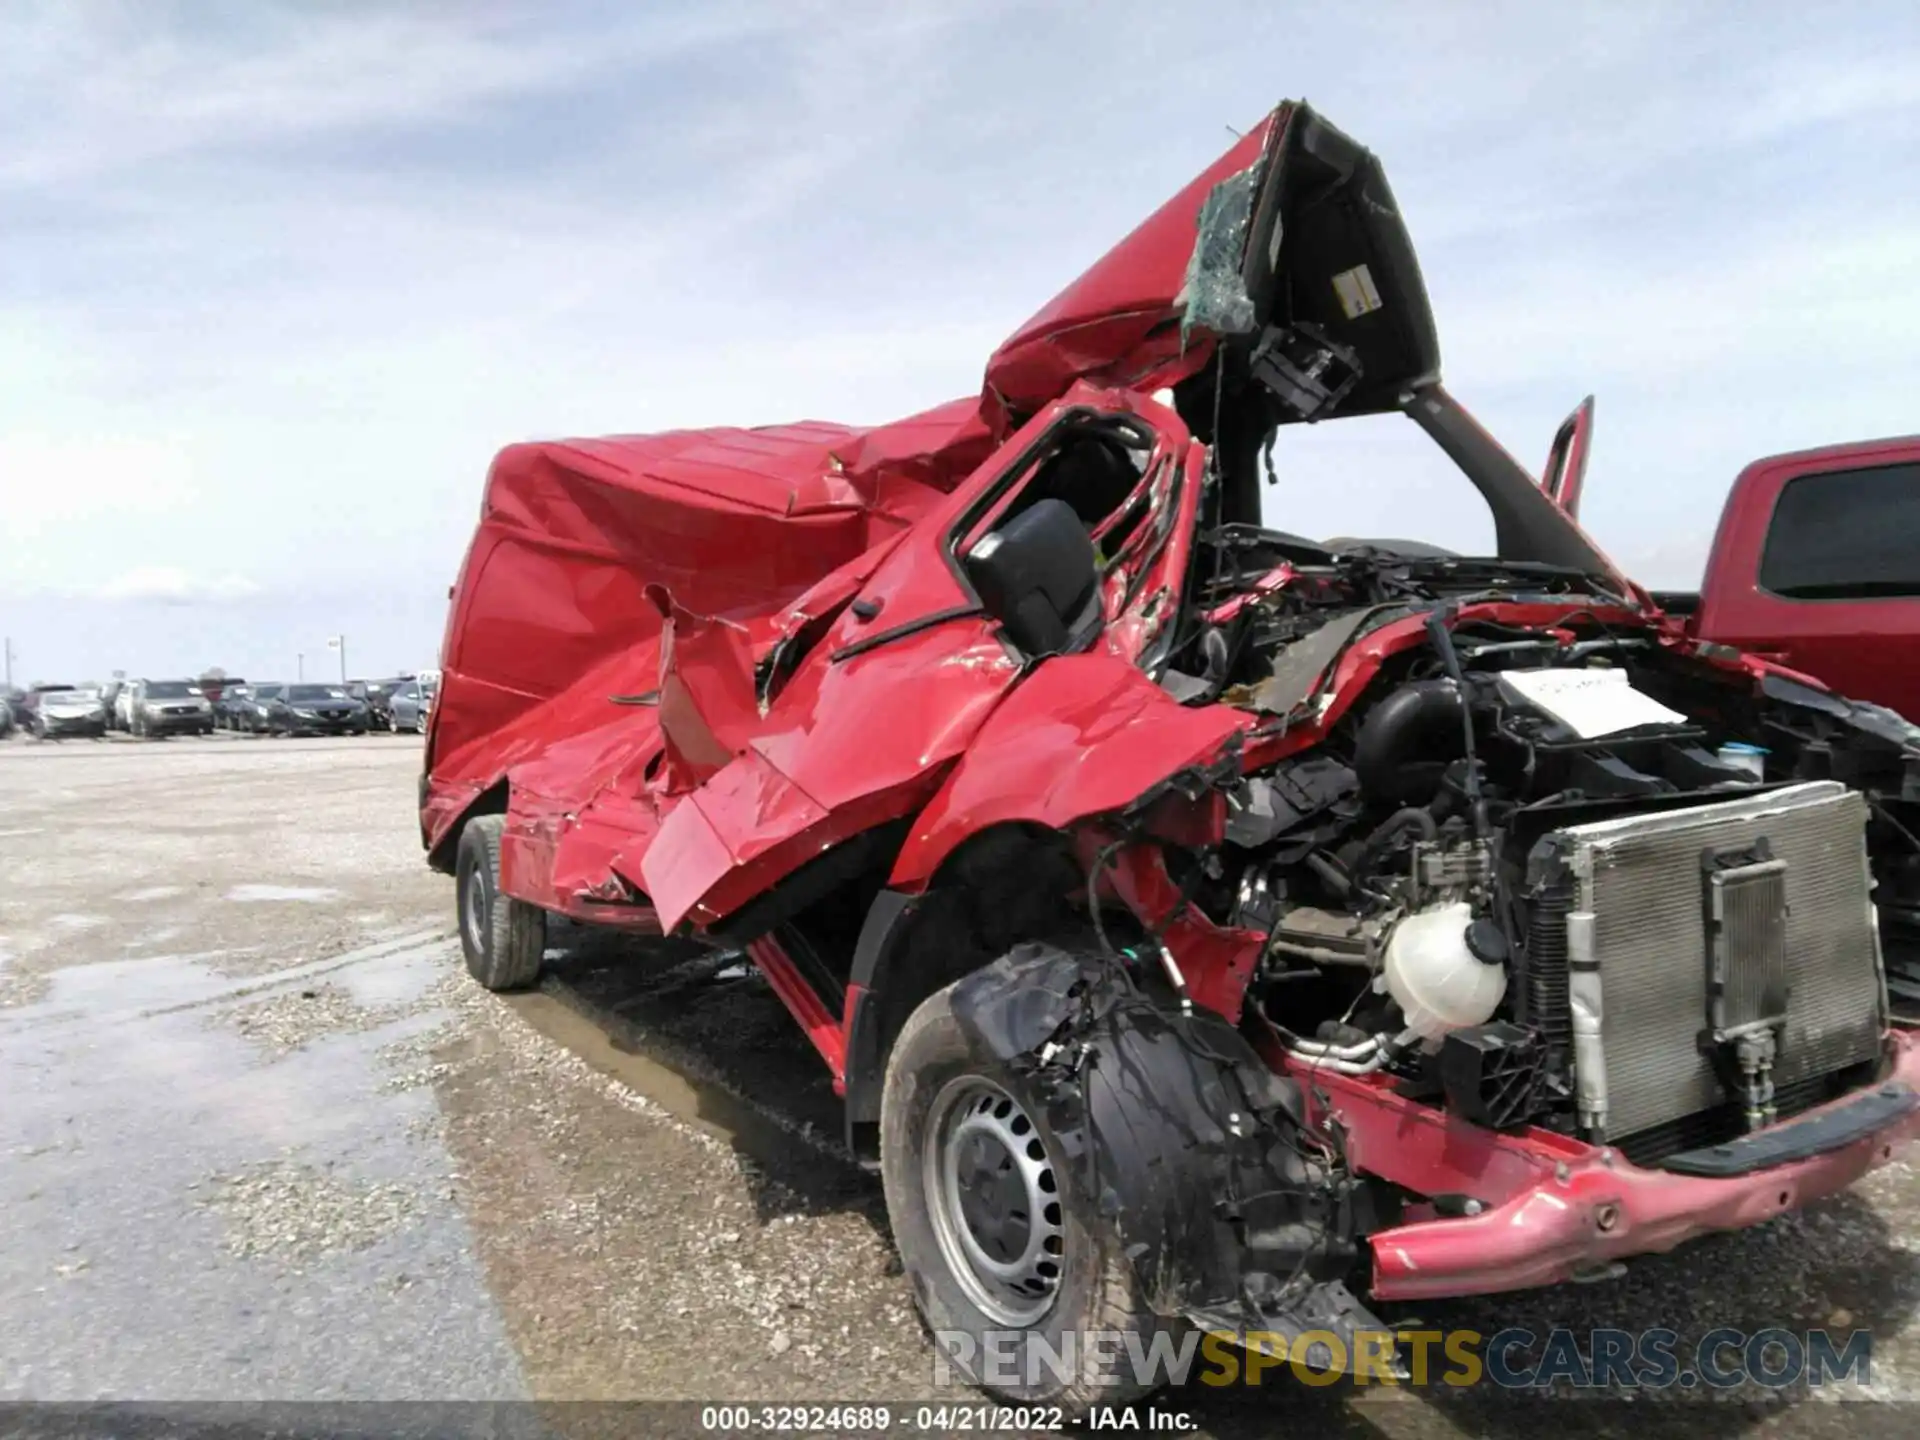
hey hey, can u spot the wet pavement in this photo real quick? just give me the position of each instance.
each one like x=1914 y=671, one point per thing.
x=261 y=1140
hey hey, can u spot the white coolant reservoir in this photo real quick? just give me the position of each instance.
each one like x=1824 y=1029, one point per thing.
x=1434 y=975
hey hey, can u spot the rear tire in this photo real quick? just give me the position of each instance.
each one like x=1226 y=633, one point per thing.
x=943 y=1104
x=502 y=938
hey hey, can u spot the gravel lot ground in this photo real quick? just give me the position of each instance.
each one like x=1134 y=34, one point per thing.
x=262 y=1140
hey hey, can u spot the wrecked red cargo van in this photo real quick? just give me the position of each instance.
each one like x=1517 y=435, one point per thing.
x=1204 y=924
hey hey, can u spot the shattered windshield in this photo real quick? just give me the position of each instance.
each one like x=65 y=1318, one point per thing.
x=1213 y=297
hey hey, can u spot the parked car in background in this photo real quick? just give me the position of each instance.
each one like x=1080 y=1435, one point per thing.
x=377 y=696
x=160 y=708
x=120 y=713
x=1814 y=564
x=216 y=688
x=409 y=707
x=13 y=706
x=255 y=714
x=110 y=697
x=230 y=710
x=316 y=710
x=1817 y=564
x=12 y=701
x=58 y=712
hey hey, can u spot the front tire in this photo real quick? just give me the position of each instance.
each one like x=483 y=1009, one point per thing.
x=999 y=1241
x=502 y=938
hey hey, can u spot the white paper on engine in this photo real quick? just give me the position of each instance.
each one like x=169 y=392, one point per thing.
x=1590 y=703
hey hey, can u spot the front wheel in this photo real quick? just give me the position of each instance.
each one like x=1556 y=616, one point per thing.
x=502 y=938
x=1008 y=1257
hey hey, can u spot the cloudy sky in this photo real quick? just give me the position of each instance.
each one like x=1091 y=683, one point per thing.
x=276 y=280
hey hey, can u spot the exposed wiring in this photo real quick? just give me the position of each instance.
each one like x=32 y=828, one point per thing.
x=1100 y=862
x=1358 y=1050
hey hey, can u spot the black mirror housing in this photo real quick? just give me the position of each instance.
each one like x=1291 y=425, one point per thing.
x=1037 y=574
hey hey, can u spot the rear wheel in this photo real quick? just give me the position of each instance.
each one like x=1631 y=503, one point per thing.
x=1000 y=1242
x=502 y=938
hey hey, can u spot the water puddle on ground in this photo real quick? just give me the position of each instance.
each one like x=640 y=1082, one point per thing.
x=753 y=1131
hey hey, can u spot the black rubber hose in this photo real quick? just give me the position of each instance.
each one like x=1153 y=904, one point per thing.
x=1411 y=818
x=1407 y=741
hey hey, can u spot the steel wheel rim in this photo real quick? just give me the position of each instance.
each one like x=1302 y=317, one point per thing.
x=994 y=1198
x=473 y=912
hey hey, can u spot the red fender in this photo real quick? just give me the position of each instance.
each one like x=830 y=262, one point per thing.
x=1083 y=735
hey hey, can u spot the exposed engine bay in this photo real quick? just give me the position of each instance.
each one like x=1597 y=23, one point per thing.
x=1566 y=875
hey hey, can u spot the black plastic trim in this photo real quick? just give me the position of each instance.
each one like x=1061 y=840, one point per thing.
x=903 y=630
x=1799 y=1139
x=888 y=922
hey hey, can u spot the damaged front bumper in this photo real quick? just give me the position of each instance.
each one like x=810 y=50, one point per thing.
x=1245 y=1185
x=1556 y=1209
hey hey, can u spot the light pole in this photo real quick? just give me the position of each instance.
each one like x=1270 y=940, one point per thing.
x=9 y=662
x=300 y=667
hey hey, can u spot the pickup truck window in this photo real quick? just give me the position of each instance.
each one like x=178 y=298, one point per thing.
x=1845 y=535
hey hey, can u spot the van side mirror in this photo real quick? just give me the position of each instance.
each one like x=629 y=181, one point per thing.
x=1566 y=471
x=1038 y=576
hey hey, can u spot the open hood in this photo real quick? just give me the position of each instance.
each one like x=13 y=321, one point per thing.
x=1288 y=249
x=1287 y=262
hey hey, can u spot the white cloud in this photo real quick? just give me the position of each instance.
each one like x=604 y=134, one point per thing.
x=172 y=585
x=132 y=91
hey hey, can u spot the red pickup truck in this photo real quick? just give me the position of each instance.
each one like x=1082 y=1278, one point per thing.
x=1816 y=563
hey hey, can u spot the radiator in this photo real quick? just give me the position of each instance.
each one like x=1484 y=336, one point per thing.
x=1687 y=927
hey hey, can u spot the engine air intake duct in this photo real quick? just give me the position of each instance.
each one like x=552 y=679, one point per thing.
x=1408 y=740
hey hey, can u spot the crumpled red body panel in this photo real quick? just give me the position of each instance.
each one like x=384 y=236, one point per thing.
x=551 y=615
x=1085 y=735
x=1118 y=324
